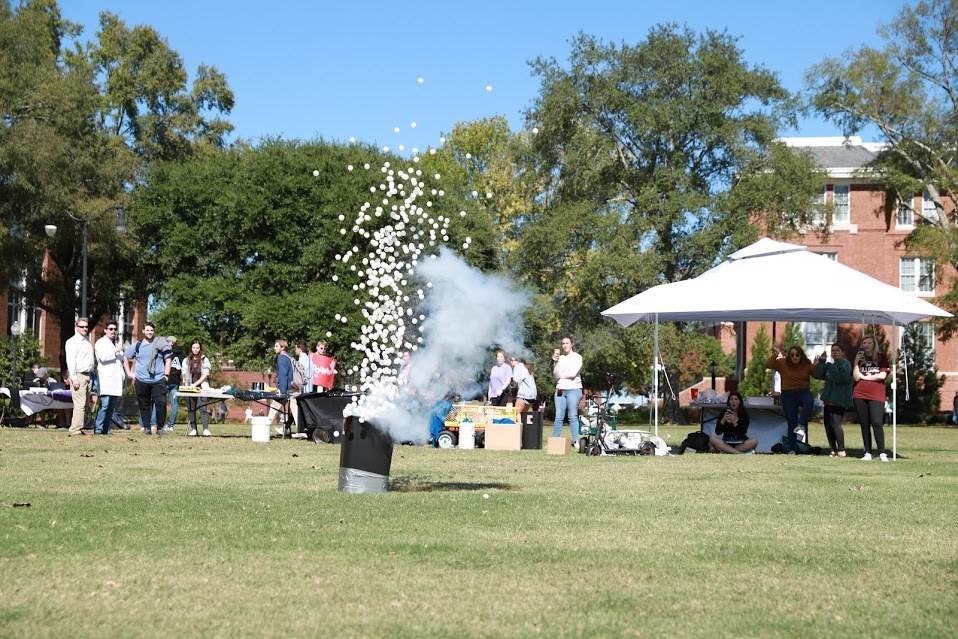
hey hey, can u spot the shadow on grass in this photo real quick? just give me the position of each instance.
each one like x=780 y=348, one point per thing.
x=419 y=485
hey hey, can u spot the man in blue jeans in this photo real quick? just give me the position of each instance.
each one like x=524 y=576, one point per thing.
x=566 y=369
x=109 y=369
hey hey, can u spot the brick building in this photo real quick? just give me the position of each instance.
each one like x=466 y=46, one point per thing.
x=867 y=235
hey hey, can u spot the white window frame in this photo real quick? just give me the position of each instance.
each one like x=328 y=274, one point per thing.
x=917 y=275
x=928 y=328
x=905 y=216
x=842 y=201
x=928 y=211
x=818 y=336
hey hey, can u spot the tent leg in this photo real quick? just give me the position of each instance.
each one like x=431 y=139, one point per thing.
x=655 y=375
x=894 y=391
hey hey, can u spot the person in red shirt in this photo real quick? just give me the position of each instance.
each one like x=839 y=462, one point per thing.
x=796 y=370
x=869 y=372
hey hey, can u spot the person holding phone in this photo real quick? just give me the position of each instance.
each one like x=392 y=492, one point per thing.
x=731 y=430
x=566 y=368
x=869 y=371
x=837 y=395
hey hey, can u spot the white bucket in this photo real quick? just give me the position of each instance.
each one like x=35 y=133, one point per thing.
x=261 y=429
x=467 y=435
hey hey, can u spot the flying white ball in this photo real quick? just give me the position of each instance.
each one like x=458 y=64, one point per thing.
x=488 y=88
x=420 y=80
x=315 y=172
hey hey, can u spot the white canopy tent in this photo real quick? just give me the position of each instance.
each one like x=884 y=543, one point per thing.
x=777 y=281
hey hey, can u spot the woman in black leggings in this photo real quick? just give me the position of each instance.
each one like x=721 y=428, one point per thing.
x=870 y=370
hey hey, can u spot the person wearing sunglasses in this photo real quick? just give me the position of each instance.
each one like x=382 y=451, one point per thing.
x=796 y=371
x=109 y=367
x=79 y=353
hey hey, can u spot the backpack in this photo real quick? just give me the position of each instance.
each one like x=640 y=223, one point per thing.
x=299 y=373
x=157 y=353
x=697 y=441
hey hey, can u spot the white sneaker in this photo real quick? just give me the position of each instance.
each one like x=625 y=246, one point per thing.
x=883 y=457
x=867 y=457
x=192 y=433
x=206 y=432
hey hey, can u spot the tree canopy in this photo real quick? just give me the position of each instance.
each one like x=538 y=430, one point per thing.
x=660 y=158
x=246 y=243
x=908 y=90
x=80 y=122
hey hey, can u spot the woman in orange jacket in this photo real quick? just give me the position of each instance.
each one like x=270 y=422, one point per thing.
x=796 y=370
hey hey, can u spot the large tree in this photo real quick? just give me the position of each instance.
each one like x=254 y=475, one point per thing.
x=908 y=90
x=246 y=242
x=661 y=159
x=81 y=120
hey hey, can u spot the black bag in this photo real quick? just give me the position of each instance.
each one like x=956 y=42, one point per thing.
x=697 y=441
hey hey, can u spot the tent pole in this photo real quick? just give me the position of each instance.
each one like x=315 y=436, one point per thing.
x=894 y=390
x=655 y=375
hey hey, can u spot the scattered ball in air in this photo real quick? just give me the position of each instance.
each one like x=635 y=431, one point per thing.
x=315 y=173
x=488 y=88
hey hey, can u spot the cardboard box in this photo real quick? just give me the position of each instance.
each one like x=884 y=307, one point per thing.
x=503 y=436
x=560 y=446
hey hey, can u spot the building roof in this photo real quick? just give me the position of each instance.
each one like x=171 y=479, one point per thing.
x=840 y=156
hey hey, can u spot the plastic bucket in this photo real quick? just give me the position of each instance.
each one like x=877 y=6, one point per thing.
x=695 y=393
x=467 y=435
x=260 y=429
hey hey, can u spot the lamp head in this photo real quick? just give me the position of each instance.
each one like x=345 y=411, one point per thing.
x=50 y=229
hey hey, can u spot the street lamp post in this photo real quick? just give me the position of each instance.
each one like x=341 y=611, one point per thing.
x=15 y=332
x=51 y=230
x=712 y=367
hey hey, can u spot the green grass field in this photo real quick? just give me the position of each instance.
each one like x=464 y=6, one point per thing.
x=126 y=536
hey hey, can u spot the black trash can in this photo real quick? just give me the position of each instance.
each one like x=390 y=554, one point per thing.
x=531 y=429
x=365 y=458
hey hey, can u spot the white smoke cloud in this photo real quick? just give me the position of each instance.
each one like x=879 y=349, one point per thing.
x=467 y=313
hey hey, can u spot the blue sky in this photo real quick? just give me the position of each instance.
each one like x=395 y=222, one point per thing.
x=349 y=69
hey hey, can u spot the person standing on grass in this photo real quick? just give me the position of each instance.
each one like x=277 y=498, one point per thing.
x=837 y=395
x=109 y=368
x=566 y=368
x=80 y=362
x=869 y=371
x=731 y=430
x=525 y=384
x=324 y=367
x=796 y=370
x=954 y=407
x=147 y=363
x=284 y=379
x=174 y=381
x=499 y=380
x=302 y=356
x=196 y=372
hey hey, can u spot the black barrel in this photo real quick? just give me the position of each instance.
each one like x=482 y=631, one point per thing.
x=531 y=429
x=365 y=458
